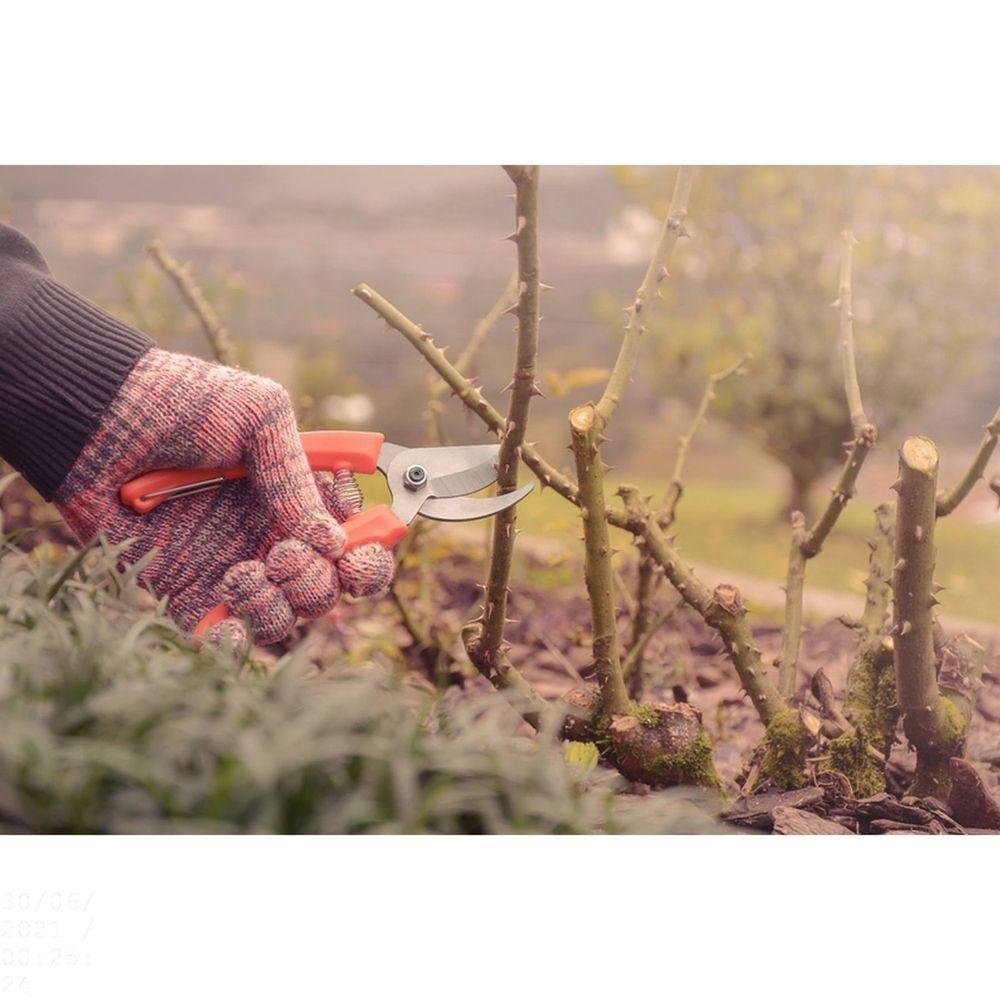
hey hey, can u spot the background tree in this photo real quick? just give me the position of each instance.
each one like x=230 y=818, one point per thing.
x=758 y=278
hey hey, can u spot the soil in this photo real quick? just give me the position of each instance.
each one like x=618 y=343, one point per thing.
x=550 y=645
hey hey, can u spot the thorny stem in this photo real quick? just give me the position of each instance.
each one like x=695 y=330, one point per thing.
x=864 y=701
x=791 y=636
x=740 y=644
x=672 y=230
x=598 y=553
x=807 y=544
x=948 y=500
x=931 y=723
x=215 y=332
x=469 y=394
x=632 y=665
x=721 y=609
x=484 y=648
x=644 y=591
x=438 y=389
x=676 y=488
x=845 y=302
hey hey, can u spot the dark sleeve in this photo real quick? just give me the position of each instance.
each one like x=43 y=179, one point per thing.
x=62 y=360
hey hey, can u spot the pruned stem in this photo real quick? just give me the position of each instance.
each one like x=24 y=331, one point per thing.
x=583 y=423
x=948 y=500
x=676 y=488
x=484 y=648
x=215 y=332
x=659 y=268
x=930 y=722
x=721 y=608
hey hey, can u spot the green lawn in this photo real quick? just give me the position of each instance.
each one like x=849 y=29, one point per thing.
x=734 y=527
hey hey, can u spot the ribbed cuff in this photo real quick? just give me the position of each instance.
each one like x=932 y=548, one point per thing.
x=62 y=361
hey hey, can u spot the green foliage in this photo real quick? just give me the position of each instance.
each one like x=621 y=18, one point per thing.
x=111 y=722
x=762 y=271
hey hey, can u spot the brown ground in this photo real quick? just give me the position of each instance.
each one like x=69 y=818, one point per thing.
x=550 y=644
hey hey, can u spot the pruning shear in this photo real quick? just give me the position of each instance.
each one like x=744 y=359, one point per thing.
x=434 y=482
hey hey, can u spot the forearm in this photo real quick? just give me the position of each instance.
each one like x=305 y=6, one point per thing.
x=62 y=361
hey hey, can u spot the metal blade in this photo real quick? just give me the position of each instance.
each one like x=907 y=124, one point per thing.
x=471 y=508
x=386 y=455
x=461 y=484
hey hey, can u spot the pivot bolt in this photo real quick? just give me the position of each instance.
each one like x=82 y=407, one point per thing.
x=415 y=477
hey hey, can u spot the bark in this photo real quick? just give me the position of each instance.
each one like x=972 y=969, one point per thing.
x=484 y=646
x=931 y=722
x=597 y=560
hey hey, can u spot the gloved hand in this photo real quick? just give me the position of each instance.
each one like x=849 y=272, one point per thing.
x=87 y=403
x=269 y=546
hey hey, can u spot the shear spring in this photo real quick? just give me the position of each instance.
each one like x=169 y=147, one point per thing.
x=349 y=494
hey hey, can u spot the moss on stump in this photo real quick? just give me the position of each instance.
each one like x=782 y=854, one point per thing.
x=661 y=744
x=786 y=743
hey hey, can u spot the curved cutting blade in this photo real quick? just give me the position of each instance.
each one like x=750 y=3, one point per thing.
x=468 y=481
x=471 y=508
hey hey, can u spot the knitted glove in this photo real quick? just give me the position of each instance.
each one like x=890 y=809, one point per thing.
x=266 y=545
x=87 y=403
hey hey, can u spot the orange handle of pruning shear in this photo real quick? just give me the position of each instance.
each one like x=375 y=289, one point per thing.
x=327 y=451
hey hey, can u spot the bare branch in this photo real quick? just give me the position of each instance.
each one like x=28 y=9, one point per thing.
x=632 y=664
x=676 y=487
x=469 y=394
x=721 y=608
x=484 y=649
x=438 y=390
x=868 y=700
x=845 y=303
x=659 y=268
x=807 y=544
x=180 y=274
x=948 y=500
x=791 y=636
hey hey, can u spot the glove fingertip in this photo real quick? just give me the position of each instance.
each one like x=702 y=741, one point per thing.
x=308 y=580
x=229 y=633
x=366 y=571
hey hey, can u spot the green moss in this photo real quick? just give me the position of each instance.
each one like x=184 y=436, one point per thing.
x=849 y=755
x=786 y=743
x=953 y=727
x=693 y=766
x=646 y=714
x=871 y=698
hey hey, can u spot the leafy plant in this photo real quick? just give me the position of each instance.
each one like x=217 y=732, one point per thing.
x=110 y=721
